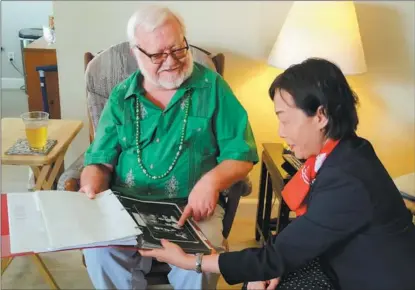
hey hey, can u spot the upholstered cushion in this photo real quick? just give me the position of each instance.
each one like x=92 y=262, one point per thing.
x=95 y=103
x=202 y=58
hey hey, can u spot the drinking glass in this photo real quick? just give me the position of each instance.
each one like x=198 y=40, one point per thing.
x=36 y=125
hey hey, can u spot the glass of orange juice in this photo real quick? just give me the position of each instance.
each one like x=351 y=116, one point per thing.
x=36 y=125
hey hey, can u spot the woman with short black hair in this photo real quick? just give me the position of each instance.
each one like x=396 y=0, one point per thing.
x=352 y=229
x=327 y=89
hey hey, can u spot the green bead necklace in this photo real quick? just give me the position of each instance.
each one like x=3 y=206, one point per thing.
x=182 y=135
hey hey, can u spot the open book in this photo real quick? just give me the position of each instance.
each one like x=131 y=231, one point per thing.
x=45 y=221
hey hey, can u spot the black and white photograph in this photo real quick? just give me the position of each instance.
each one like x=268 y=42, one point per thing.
x=164 y=226
x=158 y=220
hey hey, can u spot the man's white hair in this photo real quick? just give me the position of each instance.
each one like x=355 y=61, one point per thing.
x=149 y=18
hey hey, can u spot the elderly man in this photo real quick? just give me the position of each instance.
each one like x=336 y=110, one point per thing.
x=172 y=130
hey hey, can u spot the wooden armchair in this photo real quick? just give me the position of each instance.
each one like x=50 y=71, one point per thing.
x=105 y=70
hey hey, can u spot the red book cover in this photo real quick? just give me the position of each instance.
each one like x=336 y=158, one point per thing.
x=5 y=235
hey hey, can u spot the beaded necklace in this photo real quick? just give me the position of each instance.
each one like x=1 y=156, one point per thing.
x=182 y=135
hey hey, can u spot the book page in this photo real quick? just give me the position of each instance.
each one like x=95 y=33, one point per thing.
x=72 y=219
x=27 y=229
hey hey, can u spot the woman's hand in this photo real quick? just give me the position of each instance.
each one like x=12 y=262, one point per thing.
x=264 y=285
x=259 y=285
x=171 y=254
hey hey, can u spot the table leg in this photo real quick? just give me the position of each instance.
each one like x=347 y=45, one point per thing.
x=5 y=262
x=41 y=174
x=268 y=207
x=46 y=175
x=284 y=217
x=261 y=197
x=45 y=272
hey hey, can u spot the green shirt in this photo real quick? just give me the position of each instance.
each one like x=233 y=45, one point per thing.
x=217 y=129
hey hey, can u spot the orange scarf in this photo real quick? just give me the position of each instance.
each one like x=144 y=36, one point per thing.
x=297 y=188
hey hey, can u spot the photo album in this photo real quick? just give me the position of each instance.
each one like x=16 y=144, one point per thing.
x=47 y=221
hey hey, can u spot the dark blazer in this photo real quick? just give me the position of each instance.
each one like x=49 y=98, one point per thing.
x=356 y=222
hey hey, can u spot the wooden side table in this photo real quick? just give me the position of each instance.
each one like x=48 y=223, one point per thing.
x=273 y=177
x=272 y=180
x=45 y=168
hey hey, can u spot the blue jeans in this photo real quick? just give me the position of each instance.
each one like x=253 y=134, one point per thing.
x=113 y=268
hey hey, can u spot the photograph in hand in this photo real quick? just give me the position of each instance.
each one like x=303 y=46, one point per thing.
x=158 y=220
x=164 y=225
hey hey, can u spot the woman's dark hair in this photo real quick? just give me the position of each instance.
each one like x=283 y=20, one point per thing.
x=318 y=82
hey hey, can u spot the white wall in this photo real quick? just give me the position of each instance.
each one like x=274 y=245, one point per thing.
x=248 y=29
x=16 y=15
x=245 y=31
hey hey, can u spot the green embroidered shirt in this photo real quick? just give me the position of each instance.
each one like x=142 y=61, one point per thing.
x=217 y=129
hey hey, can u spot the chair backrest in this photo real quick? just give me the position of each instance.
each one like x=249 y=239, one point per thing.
x=113 y=65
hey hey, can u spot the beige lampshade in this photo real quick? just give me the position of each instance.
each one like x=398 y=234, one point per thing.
x=324 y=29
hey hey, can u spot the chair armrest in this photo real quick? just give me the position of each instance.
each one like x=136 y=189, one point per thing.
x=72 y=184
x=69 y=180
x=241 y=188
x=233 y=195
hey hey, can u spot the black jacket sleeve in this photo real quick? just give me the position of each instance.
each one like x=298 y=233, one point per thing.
x=338 y=207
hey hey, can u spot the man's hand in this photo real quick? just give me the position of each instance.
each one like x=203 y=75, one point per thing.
x=202 y=201
x=95 y=179
x=89 y=190
x=264 y=285
x=205 y=194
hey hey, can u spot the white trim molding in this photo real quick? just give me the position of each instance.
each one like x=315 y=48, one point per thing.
x=12 y=83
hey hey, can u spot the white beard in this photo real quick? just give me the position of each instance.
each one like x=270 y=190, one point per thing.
x=173 y=83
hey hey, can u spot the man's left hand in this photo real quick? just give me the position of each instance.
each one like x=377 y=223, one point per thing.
x=202 y=201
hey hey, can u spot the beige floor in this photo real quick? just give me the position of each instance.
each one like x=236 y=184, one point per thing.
x=66 y=267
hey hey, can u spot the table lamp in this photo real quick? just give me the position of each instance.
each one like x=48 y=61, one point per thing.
x=323 y=29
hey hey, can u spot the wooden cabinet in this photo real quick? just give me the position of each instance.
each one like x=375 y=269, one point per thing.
x=39 y=53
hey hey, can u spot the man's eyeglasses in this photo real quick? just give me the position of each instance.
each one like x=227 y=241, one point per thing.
x=158 y=58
